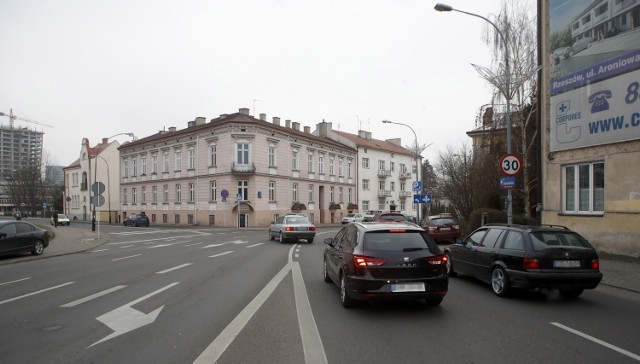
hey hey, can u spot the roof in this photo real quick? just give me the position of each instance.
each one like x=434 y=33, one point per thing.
x=92 y=151
x=374 y=143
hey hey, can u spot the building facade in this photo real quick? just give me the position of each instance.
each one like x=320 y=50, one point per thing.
x=99 y=163
x=236 y=171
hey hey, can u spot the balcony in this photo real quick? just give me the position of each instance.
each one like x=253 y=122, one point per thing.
x=384 y=193
x=243 y=169
x=405 y=194
x=405 y=175
x=384 y=173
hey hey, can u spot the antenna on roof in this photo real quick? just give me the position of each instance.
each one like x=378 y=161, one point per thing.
x=254 y=106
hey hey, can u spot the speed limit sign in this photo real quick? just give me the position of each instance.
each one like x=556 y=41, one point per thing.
x=510 y=164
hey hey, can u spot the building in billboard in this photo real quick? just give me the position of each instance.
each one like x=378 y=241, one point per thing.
x=591 y=125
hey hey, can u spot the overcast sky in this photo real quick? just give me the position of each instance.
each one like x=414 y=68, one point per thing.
x=99 y=68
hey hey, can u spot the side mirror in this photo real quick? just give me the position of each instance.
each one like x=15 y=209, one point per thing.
x=3 y=235
x=328 y=241
x=469 y=244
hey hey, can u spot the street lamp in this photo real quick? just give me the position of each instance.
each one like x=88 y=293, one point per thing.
x=506 y=93
x=416 y=158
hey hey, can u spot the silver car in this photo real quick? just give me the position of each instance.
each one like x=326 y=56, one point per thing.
x=352 y=217
x=292 y=227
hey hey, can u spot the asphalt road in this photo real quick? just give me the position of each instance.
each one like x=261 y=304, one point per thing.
x=228 y=296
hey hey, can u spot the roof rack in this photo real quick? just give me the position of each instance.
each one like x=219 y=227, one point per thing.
x=554 y=226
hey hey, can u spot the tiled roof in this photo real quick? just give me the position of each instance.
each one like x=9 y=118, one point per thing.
x=374 y=143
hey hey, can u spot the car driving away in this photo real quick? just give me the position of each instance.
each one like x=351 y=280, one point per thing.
x=62 y=220
x=385 y=261
x=352 y=217
x=294 y=227
x=21 y=237
x=441 y=228
x=527 y=257
x=136 y=220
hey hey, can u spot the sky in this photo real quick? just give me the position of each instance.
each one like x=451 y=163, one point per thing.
x=96 y=69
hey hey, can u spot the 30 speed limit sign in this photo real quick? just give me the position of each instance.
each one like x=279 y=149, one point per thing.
x=510 y=164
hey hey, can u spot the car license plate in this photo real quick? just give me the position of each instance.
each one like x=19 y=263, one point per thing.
x=445 y=228
x=407 y=287
x=566 y=264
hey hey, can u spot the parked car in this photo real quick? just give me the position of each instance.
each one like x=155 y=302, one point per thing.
x=580 y=45
x=21 y=236
x=352 y=217
x=292 y=227
x=385 y=261
x=411 y=219
x=561 y=53
x=389 y=216
x=368 y=215
x=62 y=220
x=136 y=220
x=528 y=257
x=441 y=228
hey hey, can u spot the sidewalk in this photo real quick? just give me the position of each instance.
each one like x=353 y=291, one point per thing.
x=619 y=272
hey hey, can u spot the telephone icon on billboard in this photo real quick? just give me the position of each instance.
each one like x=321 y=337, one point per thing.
x=599 y=101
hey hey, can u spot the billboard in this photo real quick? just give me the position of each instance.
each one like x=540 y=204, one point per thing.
x=595 y=72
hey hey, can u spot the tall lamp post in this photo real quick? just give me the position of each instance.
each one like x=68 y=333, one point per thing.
x=416 y=158
x=506 y=91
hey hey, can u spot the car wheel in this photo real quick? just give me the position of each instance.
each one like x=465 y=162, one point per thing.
x=271 y=236
x=344 y=295
x=571 y=293
x=325 y=272
x=500 y=282
x=38 y=248
x=449 y=266
x=433 y=301
x=281 y=238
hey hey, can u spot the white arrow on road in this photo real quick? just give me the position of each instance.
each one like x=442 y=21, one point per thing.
x=125 y=318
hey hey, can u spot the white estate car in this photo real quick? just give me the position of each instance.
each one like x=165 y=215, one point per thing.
x=352 y=217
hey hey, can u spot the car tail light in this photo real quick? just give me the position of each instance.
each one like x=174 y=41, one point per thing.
x=438 y=260
x=312 y=228
x=362 y=261
x=289 y=228
x=595 y=264
x=531 y=263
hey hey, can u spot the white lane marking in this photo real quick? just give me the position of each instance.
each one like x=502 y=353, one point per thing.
x=174 y=268
x=221 y=254
x=99 y=250
x=202 y=242
x=213 y=352
x=130 y=256
x=160 y=246
x=238 y=242
x=311 y=341
x=150 y=241
x=17 y=280
x=211 y=246
x=154 y=231
x=126 y=246
x=93 y=296
x=251 y=246
x=125 y=318
x=35 y=293
x=597 y=341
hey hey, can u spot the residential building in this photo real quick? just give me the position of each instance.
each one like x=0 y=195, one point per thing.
x=96 y=164
x=385 y=170
x=236 y=171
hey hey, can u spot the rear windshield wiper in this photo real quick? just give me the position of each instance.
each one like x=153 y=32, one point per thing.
x=412 y=249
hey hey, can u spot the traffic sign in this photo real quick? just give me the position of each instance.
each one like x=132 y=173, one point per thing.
x=417 y=186
x=97 y=200
x=507 y=182
x=97 y=188
x=422 y=198
x=510 y=164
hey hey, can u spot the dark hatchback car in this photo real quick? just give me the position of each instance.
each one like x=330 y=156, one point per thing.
x=528 y=257
x=20 y=237
x=385 y=261
x=441 y=228
x=136 y=220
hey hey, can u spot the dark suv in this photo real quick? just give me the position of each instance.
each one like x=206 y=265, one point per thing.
x=529 y=257
x=441 y=227
x=378 y=261
x=136 y=220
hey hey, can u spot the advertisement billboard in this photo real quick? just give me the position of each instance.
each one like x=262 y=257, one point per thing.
x=595 y=73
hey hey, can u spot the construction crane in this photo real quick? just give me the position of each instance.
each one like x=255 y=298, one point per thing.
x=13 y=117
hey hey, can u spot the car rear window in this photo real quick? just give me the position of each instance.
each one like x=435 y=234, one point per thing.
x=443 y=221
x=398 y=241
x=297 y=220
x=542 y=240
x=392 y=217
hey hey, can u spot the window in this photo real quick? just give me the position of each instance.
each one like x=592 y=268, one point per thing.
x=272 y=190
x=493 y=238
x=154 y=194
x=349 y=169
x=242 y=153
x=272 y=155
x=294 y=189
x=310 y=193
x=165 y=162
x=154 y=163
x=143 y=165
x=125 y=171
x=192 y=192
x=134 y=168
x=392 y=166
x=381 y=185
x=212 y=155
x=514 y=241
x=294 y=160
x=243 y=189
x=365 y=205
x=365 y=163
x=331 y=166
x=321 y=164
x=310 y=162
x=584 y=188
x=332 y=194
x=178 y=160
x=192 y=158
x=125 y=197
x=214 y=191
x=165 y=194
x=133 y=195
x=392 y=186
x=178 y=192
x=144 y=194
x=340 y=167
x=341 y=194
x=381 y=165
x=177 y=219
x=165 y=218
x=349 y=195
x=403 y=205
x=365 y=185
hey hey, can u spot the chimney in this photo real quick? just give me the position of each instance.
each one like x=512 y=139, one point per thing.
x=172 y=128
x=223 y=116
x=276 y=120
x=105 y=140
x=324 y=129
x=190 y=124
x=263 y=117
x=200 y=120
x=295 y=126
x=307 y=129
x=287 y=123
x=244 y=111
